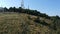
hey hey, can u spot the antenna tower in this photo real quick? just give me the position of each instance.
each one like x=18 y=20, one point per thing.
x=28 y=5
x=22 y=3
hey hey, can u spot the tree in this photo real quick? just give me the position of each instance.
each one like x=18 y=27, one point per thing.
x=10 y=9
x=5 y=9
x=19 y=9
x=14 y=9
x=57 y=17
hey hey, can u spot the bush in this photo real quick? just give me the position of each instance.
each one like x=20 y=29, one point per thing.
x=37 y=20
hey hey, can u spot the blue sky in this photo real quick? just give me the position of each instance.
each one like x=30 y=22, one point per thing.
x=50 y=7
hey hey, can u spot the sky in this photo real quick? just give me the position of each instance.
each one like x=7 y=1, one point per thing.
x=50 y=7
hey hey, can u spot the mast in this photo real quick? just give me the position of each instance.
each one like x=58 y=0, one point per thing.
x=22 y=3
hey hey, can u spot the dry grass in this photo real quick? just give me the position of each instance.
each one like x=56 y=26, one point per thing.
x=20 y=24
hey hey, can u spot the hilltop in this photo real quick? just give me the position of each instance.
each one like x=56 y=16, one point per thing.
x=26 y=21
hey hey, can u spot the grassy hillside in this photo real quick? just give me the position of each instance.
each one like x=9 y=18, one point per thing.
x=21 y=23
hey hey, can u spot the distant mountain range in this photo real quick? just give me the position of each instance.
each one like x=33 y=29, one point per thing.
x=1 y=9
